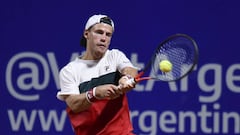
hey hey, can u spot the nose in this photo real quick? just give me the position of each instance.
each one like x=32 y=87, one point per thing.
x=103 y=37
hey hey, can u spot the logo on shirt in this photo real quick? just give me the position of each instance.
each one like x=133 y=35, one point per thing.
x=107 y=68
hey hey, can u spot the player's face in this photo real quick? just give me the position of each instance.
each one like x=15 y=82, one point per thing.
x=98 y=39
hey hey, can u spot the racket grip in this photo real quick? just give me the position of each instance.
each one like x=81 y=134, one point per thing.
x=131 y=81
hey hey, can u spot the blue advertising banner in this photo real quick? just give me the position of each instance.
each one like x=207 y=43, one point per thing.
x=38 y=38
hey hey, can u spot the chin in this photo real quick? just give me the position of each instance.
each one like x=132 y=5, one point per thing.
x=102 y=49
x=100 y=54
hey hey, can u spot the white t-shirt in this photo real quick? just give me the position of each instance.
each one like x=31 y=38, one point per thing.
x=80 y=71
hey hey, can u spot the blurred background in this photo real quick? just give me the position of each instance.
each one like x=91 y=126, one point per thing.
x=37 y=38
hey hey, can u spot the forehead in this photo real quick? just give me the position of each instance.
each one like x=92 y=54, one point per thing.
x=103 y=26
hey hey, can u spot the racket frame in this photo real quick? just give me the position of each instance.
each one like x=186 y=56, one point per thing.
x=139 y=77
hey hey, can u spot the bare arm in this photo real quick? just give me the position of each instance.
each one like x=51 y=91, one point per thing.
x=129 y=71
x=79 y=102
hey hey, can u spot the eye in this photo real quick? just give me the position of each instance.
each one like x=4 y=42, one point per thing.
x=99 y=31
x=109 y=34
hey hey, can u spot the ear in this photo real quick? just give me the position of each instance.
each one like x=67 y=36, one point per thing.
x=85 y=34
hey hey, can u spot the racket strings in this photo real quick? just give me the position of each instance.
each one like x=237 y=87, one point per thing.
x=180 y=52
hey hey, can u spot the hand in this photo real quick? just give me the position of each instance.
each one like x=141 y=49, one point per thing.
x=126 y=83
x=107 y=91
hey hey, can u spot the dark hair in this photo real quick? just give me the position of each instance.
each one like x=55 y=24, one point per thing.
x=83 y=42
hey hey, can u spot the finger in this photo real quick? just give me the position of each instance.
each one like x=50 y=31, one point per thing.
x=120 y=86
x=115 y=91
x=111 y=91
x=119 y=91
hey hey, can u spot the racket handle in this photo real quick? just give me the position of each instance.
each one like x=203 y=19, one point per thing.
x=131 y=81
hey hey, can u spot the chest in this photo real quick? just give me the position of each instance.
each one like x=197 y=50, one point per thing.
x=87 y=71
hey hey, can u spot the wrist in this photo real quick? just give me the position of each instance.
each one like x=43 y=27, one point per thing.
x=91 y=95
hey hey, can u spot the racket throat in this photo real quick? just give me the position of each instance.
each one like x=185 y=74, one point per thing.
x=143 y=78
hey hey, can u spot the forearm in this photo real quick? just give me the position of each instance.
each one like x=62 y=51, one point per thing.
x=80 y=102
x=77 y=102
x=129 y=71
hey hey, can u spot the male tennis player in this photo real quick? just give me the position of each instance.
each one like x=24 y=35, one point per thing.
x=94 y=85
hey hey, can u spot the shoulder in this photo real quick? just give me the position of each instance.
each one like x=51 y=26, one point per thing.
x=115 y=52
x=70 y=66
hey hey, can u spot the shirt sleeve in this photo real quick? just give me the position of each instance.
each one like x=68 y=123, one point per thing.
x=123 y=61
x=68 y=84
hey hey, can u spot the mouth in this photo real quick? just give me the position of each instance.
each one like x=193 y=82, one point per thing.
x=101 y=45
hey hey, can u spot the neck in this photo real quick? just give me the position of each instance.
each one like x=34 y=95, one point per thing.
x=89 y=56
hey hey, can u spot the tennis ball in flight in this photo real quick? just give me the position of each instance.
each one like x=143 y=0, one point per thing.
x=165 y=66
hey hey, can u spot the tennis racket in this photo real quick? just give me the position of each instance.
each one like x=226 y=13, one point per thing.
x=180 y=50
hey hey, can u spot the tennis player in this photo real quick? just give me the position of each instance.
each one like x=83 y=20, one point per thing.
x=94 y=85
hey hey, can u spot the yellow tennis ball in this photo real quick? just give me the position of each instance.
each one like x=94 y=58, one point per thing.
x=165 y=66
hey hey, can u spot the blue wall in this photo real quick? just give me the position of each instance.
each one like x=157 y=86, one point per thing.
x=39 y=37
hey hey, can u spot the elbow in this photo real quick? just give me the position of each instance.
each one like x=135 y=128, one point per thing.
x=74 y=109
